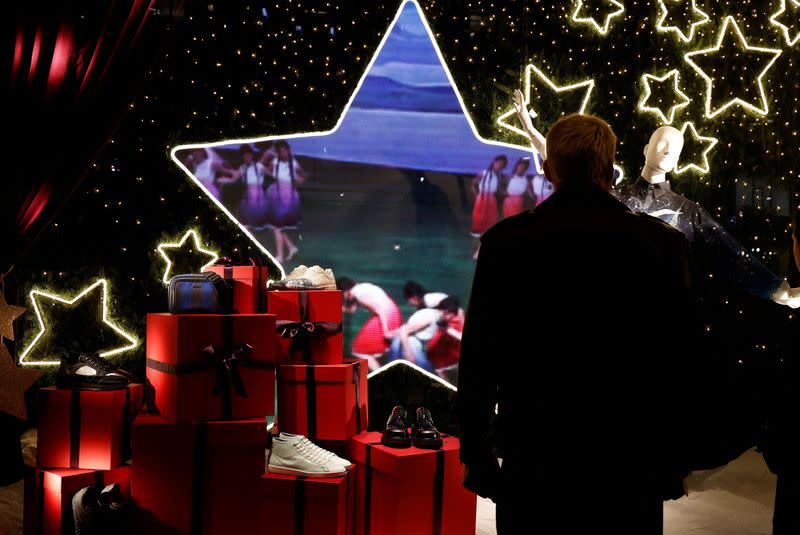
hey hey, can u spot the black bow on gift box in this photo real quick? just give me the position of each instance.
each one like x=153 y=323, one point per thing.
x=302 y=332
x=228 y=377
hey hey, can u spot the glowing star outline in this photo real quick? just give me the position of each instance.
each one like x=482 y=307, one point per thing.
x=784 y=28
x=710 y=82
x=589 y=84
x=174 y=151
x=681 y=35
x=403 y=362
x=42 y=328
x=712 y=142
x=602 y=30
x=655 y=109
x=196 y=237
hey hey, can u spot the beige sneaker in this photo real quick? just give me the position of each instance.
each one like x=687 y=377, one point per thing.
x=297 y=272
x=320 y=278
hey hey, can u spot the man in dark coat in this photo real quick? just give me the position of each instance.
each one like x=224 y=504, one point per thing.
x=592 y=417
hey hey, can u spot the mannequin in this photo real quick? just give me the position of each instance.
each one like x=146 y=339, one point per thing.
x=716 y=251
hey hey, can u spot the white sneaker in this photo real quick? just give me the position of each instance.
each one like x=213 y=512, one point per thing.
x=291 y=437
x=300 y=457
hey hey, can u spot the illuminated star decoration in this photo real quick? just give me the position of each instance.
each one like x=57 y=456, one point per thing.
x=709 y=143
x=580 y=5
x=414 y=16
x=730 y=51
x=680 y=100
x=8 y=313
x=98 y=287
x=196 y=249
x=789 y=8
x=663 y=26
x=14 y=381
x=586 y=86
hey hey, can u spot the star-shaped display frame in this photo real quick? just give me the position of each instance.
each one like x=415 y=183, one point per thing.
x=180 y=148
x=710 y=112
x=162 y=250
x=705 y=167
x=102 y=284
x=660 y=26
x=795 y=6
x=684 y=99
x=591 y=21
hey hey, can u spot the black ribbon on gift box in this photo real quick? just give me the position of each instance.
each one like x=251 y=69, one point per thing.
x=227 y=363
x=300 y=505
x=227 y=274
x=438 y=490
x=311 y=399
x=303 y=331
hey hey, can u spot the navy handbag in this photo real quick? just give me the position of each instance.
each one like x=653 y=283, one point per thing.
x=200 y=293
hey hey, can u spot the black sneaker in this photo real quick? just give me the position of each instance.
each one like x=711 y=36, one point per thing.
x=425 y=433
x=396 y=433
x=89 y=371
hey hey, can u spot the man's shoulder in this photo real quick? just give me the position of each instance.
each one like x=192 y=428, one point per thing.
x=655 y=226
x=509 y=226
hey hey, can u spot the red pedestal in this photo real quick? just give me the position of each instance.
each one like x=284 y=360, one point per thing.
x=321 y=307
x=191 y=385
x=249 y=287
x=48 y=496
x=323 y=402
x=312 y=506
x=88 y=429
x=200 y=478
x=410 y=490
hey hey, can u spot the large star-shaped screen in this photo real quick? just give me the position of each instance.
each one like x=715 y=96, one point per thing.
x=398 y=191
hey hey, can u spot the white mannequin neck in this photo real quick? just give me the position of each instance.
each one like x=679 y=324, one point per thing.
x=653 y=176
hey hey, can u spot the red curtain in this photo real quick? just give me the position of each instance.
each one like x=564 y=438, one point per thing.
x=72 y=69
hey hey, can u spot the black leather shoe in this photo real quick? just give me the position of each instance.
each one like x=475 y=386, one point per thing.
x=89 y=371
x=425 y=433
x=396 y=433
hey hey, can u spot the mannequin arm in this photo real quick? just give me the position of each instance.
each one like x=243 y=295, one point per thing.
x=537 y=139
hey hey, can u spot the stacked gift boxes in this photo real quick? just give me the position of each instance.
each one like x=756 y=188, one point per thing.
x=83 y=441
x=198 y=455
x=320 y=396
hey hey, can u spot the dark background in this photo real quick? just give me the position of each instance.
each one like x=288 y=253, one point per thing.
x=90 y=159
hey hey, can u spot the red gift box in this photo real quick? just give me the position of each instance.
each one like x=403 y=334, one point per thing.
x=249 y=286
x=199 y=478
x=309 y=325
x=48 y=496
x=211 y=366
x=323 y=402
x=300 y=505
x=393 y=482
x=88 y=429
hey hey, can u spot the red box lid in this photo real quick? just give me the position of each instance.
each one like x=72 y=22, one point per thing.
x=323 y=305
x=280 y=486
x=323 y=373
x=395 y=461
x=248 y=273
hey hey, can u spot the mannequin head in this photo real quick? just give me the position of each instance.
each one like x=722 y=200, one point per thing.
x=661 y=153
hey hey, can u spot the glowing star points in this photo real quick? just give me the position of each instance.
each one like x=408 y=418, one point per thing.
x=197 y=248
x=663 y=26
x=35 y=295
x=730 y=53
x=587 y=86
x=680 y=100
x=791 y=9
x=580 y=5
x=709 y=143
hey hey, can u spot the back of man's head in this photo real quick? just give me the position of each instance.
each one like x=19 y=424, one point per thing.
x=580 y=150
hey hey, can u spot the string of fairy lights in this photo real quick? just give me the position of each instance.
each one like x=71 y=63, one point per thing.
x=255 y=68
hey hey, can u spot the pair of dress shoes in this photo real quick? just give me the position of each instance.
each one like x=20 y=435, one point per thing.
x=423 y=432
